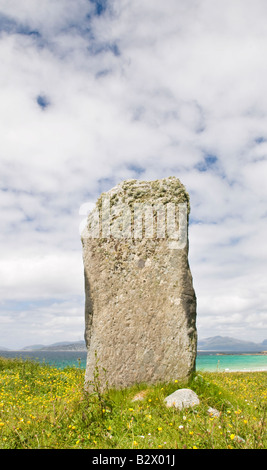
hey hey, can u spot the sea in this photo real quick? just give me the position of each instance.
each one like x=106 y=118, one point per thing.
x=206 y=361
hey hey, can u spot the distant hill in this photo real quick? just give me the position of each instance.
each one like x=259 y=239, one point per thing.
x=70 y=346
x=213 y=343
x=33 y=347
x=63 y=346
x=226 y=343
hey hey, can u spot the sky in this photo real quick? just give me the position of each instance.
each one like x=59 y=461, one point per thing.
x=96 y=92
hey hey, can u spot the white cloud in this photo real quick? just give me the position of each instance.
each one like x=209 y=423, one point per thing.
x=48 y=17
x=149 y=85
x=39 y=277
x=42 y=322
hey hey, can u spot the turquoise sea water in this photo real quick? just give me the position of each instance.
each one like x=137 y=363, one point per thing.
x=231 y=362
x=58 y=359
x=205 y=361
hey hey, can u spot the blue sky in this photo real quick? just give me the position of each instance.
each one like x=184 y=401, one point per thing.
x=95 y=92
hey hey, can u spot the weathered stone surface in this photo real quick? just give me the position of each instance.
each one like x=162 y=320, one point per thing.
x=182 y=398
x=140 y=307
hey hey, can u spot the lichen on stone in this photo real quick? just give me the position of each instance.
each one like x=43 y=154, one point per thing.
x=135 y=194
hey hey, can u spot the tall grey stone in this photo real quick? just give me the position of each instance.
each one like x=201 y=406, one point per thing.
x=140 y=304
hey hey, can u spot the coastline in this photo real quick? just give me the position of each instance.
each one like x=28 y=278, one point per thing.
x=218 y=361
x=235 y=370
x=206 y=361
x=230 y=353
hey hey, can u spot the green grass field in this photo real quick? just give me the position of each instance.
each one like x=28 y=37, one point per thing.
x=47 y=408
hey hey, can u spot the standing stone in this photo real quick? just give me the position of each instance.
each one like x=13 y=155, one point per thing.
x=140 y=308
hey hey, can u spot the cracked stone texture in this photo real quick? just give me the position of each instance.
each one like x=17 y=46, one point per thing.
x=140 y=304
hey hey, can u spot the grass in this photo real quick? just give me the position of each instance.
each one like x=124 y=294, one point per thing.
x=47 y=408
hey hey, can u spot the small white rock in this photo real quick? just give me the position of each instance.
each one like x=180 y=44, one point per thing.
x=182 y=398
